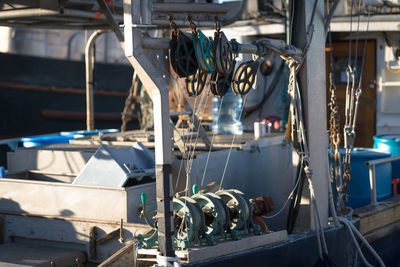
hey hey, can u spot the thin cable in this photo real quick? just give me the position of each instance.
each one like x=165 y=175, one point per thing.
x=364 y=49
x=287 y=200
x=230 y=149
x=197 y=135
x=212 y=142
x=357 y=35
x=351 y=33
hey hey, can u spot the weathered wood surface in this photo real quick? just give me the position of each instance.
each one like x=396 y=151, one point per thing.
x=385 y=213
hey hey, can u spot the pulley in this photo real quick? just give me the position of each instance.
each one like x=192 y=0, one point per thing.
x=245 y=77
x=224 y=61
x=204 y=50
x=195 y=83
x=182 y=54
x=216 y=213
x=220 y=83
x=189 y=222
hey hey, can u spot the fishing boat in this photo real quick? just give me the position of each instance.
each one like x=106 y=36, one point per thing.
x=176 y=195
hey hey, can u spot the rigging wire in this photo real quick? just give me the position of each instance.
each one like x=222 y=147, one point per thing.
x=287 y=200
x=230 y=149
x=212 y=143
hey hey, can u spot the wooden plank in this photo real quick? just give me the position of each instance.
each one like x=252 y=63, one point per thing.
x=385 y=213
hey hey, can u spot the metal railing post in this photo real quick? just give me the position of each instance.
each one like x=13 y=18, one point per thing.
x=89 y=69
x=372 y=182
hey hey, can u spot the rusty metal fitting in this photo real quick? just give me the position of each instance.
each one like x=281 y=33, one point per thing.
x=263 y=205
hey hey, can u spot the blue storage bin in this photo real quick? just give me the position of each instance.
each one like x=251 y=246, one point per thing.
x=359 y=188
x=389 y=143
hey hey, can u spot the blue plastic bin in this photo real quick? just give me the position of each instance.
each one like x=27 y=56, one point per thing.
x=389 y=143
x=359 y=188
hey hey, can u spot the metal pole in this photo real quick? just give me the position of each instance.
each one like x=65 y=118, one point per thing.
x=188 y=8
x=372 y=182
x=157 y=86
x=89 y=69
x=312 y=84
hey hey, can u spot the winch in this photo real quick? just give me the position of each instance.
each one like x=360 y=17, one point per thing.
x=206 y=218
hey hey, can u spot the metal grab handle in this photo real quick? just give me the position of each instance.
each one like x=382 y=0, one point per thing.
x=372 y=178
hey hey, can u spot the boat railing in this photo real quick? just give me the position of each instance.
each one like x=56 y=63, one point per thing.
x=372 y=179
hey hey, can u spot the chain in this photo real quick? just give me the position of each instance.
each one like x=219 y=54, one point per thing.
x=173 y=26
x=217 y=25
x=192 y=25
x=352 y=103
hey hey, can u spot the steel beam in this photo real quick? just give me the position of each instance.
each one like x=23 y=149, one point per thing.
x=311 y=77
x=189 y=8
x=157 y=86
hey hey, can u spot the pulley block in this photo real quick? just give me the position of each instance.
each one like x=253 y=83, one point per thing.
x=195 y=83
x=245 y=77
x=182 y=54
x=224 y=61
x=216 y=213
x=220 y=83
x=204 y=51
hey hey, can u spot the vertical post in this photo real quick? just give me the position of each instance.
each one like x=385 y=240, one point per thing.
x=163 y=151
x=157 y=86
x=89 y=69
x=312 y=85
x=372 y=182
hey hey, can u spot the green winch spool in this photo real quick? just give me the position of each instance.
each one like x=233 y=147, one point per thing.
x=216 y=214
x=204 y=50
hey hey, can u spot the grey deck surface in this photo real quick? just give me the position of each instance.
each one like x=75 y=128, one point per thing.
x=21 y=254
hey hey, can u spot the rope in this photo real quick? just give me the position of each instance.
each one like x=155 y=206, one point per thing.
x=230 y=149
x=212 y=142
x=353 y=229
x=364 y=260
x=168 y=261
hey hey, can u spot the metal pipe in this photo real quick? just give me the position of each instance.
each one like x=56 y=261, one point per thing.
x=111 y=20
x=372 y=177
x=188 y=8
x=248 y=49
x=372 y=182
x=382 y=160
x=163 y=43
x=89 y=69
x=146 y=12
x=33 y=12
x=87 y=15
x=183 y=23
